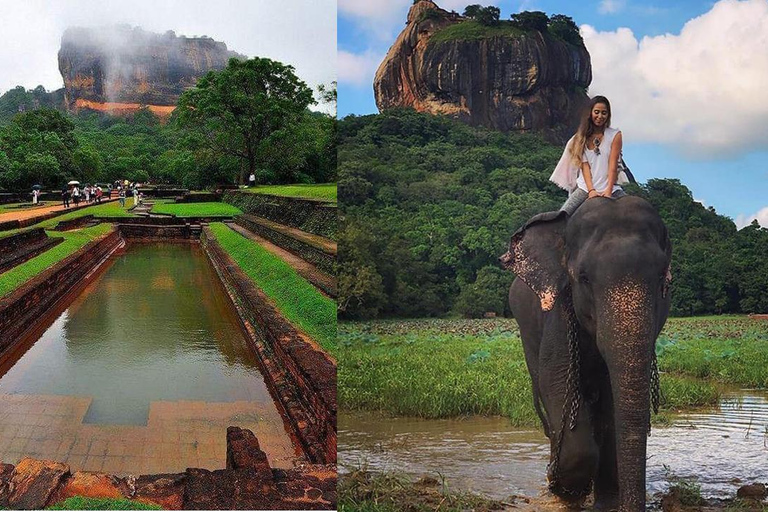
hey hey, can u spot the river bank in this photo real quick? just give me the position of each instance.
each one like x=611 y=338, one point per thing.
x=451 y=399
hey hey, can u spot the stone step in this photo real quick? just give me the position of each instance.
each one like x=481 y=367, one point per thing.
x=324 y=282
x=315 y=249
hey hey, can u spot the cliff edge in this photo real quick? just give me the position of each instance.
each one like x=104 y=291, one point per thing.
x=121 y=69
x=499 y=77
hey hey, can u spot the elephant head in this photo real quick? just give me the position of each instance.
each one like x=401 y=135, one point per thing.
x=607 y=266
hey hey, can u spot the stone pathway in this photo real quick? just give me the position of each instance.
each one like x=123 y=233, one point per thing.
x=178 y=435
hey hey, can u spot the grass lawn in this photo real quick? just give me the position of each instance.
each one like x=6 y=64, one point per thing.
x=296 y=298
x=449 y=368
x=73 y=240
x=14 y=207
x=214 y=209
x=323 y=191
x=81 y=503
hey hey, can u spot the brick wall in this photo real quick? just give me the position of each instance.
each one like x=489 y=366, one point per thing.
x=21 y=309
x=312 y=216
x=301 y=376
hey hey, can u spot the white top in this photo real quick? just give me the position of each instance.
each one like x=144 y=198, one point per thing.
x=598 y=164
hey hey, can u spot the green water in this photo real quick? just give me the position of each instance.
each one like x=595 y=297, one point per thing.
x=155 y=326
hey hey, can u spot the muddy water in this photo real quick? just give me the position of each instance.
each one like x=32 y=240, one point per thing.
x=487 y=456
x=152 y=352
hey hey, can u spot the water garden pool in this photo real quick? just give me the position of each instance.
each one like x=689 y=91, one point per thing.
x=141 y=373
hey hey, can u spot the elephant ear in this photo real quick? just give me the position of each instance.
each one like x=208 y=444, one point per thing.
x=537 y=255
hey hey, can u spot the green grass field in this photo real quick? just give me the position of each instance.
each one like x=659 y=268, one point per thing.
x=81 y=503
x=448 y=368
x=323 y=191
x=296 y=298
x=73 y=240
x=197 y=209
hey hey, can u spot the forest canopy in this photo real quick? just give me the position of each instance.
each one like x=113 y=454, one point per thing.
x=40 y=144
x=428 y=205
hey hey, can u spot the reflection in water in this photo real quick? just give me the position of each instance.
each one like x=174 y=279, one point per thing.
x=155 y=326
x=488 y=456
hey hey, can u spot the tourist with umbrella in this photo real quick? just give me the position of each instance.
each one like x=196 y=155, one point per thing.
x=35 y=193
x=75 y=191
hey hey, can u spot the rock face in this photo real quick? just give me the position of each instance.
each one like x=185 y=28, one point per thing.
x=527 y=82
x=121 y=69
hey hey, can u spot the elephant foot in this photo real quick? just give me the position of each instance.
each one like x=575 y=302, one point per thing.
x=607 y=502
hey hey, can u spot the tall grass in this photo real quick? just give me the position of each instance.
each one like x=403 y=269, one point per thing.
x=447 y=368
x=434 y=375
x=73 y=241
x=295 y=297
x=732 y=350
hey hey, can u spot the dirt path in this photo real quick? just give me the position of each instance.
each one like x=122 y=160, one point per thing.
x=36 y=212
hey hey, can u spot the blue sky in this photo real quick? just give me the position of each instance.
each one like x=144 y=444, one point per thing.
x=688 y=82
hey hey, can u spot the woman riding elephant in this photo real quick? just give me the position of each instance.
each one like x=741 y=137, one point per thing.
x=590 y=162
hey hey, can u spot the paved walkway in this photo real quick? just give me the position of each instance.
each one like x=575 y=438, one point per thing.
x=178 y=435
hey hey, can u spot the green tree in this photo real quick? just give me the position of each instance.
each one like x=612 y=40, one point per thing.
x=531 y=20
x=488 y=294
x=564 y=27
x=89 y=162
x=48 y=120
x=240 y=109
x=488 y=15
x=471 y=11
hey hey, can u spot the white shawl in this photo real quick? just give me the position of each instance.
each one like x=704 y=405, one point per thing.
x=566 y=172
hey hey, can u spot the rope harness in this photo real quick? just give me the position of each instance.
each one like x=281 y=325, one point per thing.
x=573 y=393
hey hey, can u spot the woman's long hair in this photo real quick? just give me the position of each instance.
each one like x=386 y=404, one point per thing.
x=587 y=129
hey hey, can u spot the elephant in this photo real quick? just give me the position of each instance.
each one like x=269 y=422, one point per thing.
x=591 y=297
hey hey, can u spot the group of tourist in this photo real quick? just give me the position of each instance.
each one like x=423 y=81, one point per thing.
x=88 y=194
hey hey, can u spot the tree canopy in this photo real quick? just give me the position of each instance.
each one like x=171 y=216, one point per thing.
x=50 y=147
x=246 y=110
x=428 y=205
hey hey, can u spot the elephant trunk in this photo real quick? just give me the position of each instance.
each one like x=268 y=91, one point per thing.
x=626 y=339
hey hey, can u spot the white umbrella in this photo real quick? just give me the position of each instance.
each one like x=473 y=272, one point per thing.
x=73 y=182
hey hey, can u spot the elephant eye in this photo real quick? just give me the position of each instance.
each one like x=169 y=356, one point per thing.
x=583 y=277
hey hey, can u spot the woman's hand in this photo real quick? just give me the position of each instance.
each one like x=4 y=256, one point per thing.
x=593 y=193
x=607 y=192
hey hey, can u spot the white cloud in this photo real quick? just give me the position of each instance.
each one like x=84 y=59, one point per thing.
x=746 y=220
x=376 y=19
x=702 y=91
x=372 y=9
x=358 y=69
x=610 y=6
